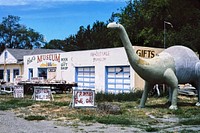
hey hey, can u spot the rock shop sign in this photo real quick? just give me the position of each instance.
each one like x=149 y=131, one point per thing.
x=83 y=98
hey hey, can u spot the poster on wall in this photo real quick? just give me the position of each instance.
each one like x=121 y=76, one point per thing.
x=83 y=98
x=42 y=93
x=18 y=91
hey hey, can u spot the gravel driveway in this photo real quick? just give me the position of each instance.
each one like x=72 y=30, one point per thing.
x=9 y=123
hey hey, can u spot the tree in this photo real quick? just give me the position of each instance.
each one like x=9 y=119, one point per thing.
x=70 y=44
x=55 y=44
x=15 y=35
x=91 y=37
x=144 y=19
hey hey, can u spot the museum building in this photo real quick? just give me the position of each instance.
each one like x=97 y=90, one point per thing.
x=103 y=70
x=12 y=64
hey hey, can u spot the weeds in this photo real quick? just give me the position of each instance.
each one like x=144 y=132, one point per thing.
x=113 y=119
x=129 y=115
x=35 y=117
x=151 y=129
x=195 y=121
x=87 y=118
x=132 y=96
x=61 y=103
x=15 y=103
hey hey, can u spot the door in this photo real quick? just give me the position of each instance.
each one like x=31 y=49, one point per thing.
x=85 y=77
x=117 y=79
x=30 y=73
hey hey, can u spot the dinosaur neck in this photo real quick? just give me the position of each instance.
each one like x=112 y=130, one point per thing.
x=132 y=56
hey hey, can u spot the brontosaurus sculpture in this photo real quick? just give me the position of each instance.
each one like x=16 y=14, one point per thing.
x=176 y=64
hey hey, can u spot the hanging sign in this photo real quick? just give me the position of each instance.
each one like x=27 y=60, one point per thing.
x=83 y=98
x=18 y=91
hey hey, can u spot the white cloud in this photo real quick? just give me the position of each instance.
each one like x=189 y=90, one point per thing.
x=13 y=2
x=29 y=2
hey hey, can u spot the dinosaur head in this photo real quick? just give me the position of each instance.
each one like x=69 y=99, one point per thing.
x=113 y=25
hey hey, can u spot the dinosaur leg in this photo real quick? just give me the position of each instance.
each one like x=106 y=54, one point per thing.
x=170 y=95
x=198 y=93
x=147 y=87
x=197 y=86
x=172 y=81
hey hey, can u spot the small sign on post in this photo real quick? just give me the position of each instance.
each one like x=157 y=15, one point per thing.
x=18 y=91
x=83 y=98
x=42 y=93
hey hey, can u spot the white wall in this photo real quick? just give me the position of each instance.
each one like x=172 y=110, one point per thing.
x=100 y=58
x=9 y=60
x=9 y=63
x=70 y=60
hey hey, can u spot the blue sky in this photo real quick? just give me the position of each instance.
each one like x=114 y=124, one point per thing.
x=57 y=19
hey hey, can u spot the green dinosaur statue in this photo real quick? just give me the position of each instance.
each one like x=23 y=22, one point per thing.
x=176 y=64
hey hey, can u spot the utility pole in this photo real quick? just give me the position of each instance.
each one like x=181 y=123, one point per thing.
x=165 y=22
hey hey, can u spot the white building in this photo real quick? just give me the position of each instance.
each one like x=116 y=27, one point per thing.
x=105 y=70
x=11 y=62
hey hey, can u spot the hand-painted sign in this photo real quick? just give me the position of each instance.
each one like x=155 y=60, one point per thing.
x=99 y=56
x=48 y=57
x=83 y=98
x=64 y=63
x=42 y=93
x=146 y=53
x=31 y=59
x=18 y=91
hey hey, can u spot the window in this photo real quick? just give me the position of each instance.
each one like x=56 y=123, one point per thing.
x=15 y=73
x=85 y=77
x=8 y=75
x=5 y=55
x=42 y=72
x=117 y=79
x=1 y=74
